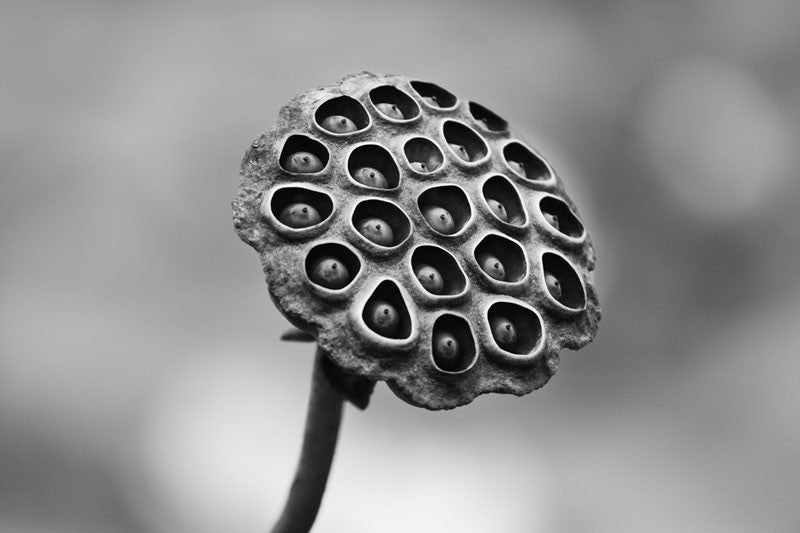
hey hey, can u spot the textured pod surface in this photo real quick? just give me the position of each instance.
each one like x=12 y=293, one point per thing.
x=473 y=161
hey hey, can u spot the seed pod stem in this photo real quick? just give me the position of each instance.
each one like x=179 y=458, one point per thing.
x=319 y=443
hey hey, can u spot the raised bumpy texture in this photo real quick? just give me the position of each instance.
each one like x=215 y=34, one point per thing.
x=418 y=239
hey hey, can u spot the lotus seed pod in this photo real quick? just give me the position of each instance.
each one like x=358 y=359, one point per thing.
x=439 y=219
x=518 y=167
x=377 y=230
x=429 y=278
x=331 y=273
x=460 y=151
x=338 y=124
x=371 y=177
x=492 y=266
x=504 y=332
x=419 y=166
x=552 y=219
x=390 y=110
x=498 y=209
x=553 y=285
x=299 y=215
x=446 y=351
x=386 y=238
x=382 y=318
x=304 y=163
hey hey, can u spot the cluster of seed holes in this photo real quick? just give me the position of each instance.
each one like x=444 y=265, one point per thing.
x=525 y=163
x=501 y=258
x=560 y=217
x=303 y=155
x=423 y=155
x=562 y=281
x=514 y=328
x=433 y=95
x=504 y=200
x=332 y=265
x=394 y=103
x=437 y=271
x=381 y=222
x=371 y=165
x=445 y=208
x=298 y=207
x=386 y=313
x=452 y=344
x=464 y=142
x=342 y=115
x=487 y=118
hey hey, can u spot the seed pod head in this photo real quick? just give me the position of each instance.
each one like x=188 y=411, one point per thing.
x=426 y=257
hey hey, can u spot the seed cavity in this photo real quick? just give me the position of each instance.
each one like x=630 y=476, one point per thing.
x=445 y=208
x=514 y=327
x=504 y=200
x=559 y=215
x=303 y=155
x=464 y=142
x=373 y=166
x=501 y=258
x=437 y=271
x=394 y=103
x=342 y=115
x=423 y=155
x=332 y=265
x=433 y=95
x=453 y=344
x=562 y=282
x=525 y=163
x=486 y=118
x=386 y=312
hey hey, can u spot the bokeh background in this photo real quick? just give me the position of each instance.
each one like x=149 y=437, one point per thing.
x=143 y=388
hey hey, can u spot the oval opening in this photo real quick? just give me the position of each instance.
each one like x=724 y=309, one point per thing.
x=514 y=328
x=342 y=106
x=392 y=96
x=464 y=142
x=298 y=207
x=332 y=265
x=366 y=159
x=445 y=208
x=525 y=163
x=386 y=312
x=452 y=344
x=504 y=201
x=486 y=118
x=422 y=151
x=569 y=290
x=369 y=214
x=445 y=268
x=501 y=258
x=298 y=145
x=433 y=95
x=560 y=217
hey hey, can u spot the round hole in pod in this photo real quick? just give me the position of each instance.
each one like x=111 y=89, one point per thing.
x=386 y=313
x=504 y=200
x=526 y=164
x=445 y=208
x=434 y=96
x=452 y=344
x=428 y=259
x=382 y=223
x=393 y=103
x=501 y=258
x=302 y=154
x=486 y=118
x=342 y=115
x=423 y=155
x=560 y=217
x=332 y=265
x=562 y=281
x=515 y=328
x=371 y=165
x=464 y=142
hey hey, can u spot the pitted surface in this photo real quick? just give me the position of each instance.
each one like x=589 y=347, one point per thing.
x=456 y=193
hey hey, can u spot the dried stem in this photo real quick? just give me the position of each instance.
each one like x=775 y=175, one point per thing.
x=319 y=444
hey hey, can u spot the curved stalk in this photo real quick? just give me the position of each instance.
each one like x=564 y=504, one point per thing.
x=319 y=443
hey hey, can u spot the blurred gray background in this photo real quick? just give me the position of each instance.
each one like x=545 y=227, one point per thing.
x=142 y=384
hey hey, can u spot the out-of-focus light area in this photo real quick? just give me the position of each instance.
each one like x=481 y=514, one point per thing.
x=143 y=388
